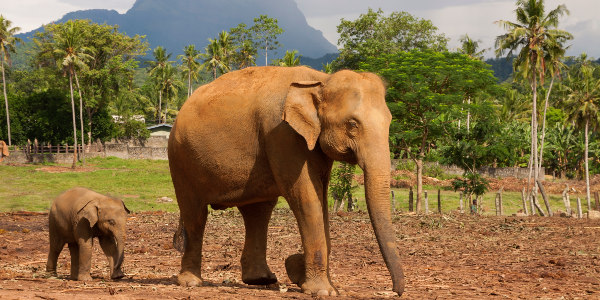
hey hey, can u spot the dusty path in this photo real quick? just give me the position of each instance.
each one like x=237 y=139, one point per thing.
x=445 y=257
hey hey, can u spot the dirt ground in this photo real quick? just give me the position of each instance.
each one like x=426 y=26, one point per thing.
x=445 y=257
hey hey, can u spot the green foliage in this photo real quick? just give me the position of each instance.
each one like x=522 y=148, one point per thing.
x=471 y=184
x=265 y=32
x=340 y=185
x=133 y=129
x=289 y=59
x=425 y=90
x=373 y=34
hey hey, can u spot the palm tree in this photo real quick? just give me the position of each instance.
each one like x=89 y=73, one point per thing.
x=214 y=58
x=170 y=86
x=190 y=65
x=72 y=55
x=161 y=60
x=471 y=49
x=583 y=106
x=289 y=59
x=533 y=36
x=246 y=55
x=7 y=45
x=227 y=48
x=554 y=65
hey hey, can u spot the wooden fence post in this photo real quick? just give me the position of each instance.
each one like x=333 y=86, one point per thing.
x=35 y=146
x=597 y=198
x=566 y=200
x=439 y=202
x=460 y=203
x=426 y=204
x=410 y=199
x=393 y=202
x=579 y=212
x=498 y=202
x=545 y=197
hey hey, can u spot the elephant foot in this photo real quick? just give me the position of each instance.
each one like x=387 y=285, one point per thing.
x=84 y=277
x=256 y=276
x=187 y=278
x=318 y=287
x=118 y=274
x=295 y=269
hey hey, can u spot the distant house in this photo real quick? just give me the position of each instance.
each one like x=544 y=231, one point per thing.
x=160 y=130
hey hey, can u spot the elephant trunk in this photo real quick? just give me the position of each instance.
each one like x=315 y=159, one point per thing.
x=118 y=258
x=377 y=192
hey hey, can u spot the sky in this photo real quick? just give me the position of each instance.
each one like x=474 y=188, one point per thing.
x=454 y=18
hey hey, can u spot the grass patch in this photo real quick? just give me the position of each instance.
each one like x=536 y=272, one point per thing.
x=139 y=183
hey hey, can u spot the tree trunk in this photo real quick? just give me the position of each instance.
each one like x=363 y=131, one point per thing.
x=524 y=200
x=190 y=83
x=80 y=118
x=545 y=197
x=544 y=127
x=410 y=199
x=468 y=115
x=74 y=124
x=6 y=101
x=426 y=204
x=566 y=200
x=159 y=106
x=587 y=170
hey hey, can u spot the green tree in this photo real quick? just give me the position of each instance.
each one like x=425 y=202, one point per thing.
x=373 y=34
x=7 y=45
x=289 y=59
x=245 y=54
x=583 y=105
x=533 y=35
x=190 y=66
x=265 y=32
x=470 y=47
x=170 y=86
x=71 y=55
x=158 y=67
x=214 y=58
x=109 y=74
x=425 y=89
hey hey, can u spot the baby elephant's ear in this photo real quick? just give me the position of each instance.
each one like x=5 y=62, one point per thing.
x=89 y=212
x=125 y=207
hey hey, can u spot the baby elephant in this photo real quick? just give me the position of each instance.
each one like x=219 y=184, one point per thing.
x=76 y=217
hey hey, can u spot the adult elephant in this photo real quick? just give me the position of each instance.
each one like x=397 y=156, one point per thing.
x=259 y=133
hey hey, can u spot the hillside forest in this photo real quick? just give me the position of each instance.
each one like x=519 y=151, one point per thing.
x=78 y=81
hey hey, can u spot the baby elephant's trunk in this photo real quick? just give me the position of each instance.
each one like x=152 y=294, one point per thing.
x=115 y=272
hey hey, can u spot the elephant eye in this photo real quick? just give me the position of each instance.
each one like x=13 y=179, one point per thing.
x=112 y=222
x=352 y=124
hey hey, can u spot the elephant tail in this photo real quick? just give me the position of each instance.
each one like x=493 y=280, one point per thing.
x=180 y=237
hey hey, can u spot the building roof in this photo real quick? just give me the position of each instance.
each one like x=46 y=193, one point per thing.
x=159 y=126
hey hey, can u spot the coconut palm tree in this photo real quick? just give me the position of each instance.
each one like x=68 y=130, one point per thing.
x=71 y=55
x=532 y=36
x=161 y=60
x=471 y=49
x=214 y=58
x=170 y=86
x=190 y=65
x=289 y=59
x=7 y=45
x=583 y=105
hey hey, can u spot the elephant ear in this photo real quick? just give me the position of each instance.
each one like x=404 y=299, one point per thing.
x=89 y=212
x=125 y=207
x=300 y=110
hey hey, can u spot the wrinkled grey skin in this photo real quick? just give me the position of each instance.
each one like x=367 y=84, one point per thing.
x=76 y=217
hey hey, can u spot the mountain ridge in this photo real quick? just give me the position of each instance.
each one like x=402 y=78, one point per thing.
x=168 y=23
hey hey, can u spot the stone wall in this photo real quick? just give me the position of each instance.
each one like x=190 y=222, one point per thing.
x=61 y=158
x=485 y=171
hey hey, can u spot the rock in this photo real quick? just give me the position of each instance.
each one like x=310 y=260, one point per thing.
x=593 y=214
x=164 y=199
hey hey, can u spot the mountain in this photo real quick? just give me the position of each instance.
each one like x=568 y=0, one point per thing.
x=174 y=24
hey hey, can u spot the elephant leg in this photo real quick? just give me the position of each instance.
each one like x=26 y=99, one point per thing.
x=306 y=203
x=56 y=247
x=194 y=222
x=84 y=253
x=255 y=270
x=107 y=243
x=74 y=252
